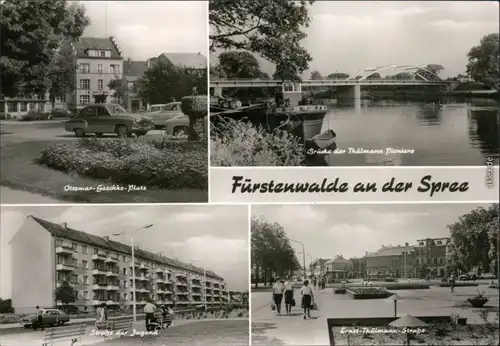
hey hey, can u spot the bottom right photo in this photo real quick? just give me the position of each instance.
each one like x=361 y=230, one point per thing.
x=386 y=274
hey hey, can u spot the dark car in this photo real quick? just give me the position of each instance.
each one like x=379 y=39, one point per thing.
x=108 y=118
x=50 y=317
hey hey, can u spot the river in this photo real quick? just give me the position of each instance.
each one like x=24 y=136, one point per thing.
x=455 y=134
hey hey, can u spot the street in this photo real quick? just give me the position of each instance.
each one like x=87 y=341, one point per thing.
x=184 y=332
x=268 y=328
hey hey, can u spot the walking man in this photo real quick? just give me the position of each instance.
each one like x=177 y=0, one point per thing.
x=149 y=310
x=452 y=282
x=39 y=319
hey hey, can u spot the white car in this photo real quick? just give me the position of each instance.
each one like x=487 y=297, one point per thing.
x=161 y=113
x=178 y=126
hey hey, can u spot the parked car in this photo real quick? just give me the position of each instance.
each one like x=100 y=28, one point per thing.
x=163 y=112
x=50 y=317
x=108 y=118
x=487 y=276
x=178 y=126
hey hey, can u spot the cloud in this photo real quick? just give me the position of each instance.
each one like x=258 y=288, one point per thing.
x=193 y=217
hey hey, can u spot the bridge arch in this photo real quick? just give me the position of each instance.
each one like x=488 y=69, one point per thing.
x=416 y=71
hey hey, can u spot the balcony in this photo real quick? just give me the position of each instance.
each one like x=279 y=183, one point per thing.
x=98 y=287
x=98 y=301
x=196 y=294
x=65 y=267
x=160 y=291
x=99 y=257
x=64 y=250
x=111 y=302
x=182 y=283
x=143 y=267
x=142 y=302
x=111 y=273
x=112 y=288
x=162 y=281
x=142 y=290
x=182 y=293
x=159 y=270
x=183 y=302
x=99 y=272
x=112 y=259
x=142 y=278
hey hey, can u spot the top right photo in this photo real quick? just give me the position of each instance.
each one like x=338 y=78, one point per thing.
x=354 y=83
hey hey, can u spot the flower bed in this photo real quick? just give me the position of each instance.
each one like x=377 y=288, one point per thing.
x=459 y=284
x=368 y=293
x=406 y=286
x=152 y=162
x=478 y=300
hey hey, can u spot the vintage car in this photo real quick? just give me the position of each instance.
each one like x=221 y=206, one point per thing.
x=163 y=112
x=50 y=317
x=104 y=118
x=178 y=126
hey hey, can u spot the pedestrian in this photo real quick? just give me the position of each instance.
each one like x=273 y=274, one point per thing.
x=104 y=313
x=323 y=283
x=452 y=283
x=314 y=282
x=278 y=289
x=39 y=319
x=149 y=311
x=289 y=302
x=307 y=299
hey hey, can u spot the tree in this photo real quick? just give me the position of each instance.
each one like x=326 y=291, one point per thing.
x=62 y=73
x=338 y=76
x=32 y=31
x=270 y=28
x=475 y=239
x=237 y=64
x=483 y=66
x=271 y=251
x=315 y=75
x=65 y=293
x=119 y=87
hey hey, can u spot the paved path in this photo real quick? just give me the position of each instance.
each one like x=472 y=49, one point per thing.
x=268 y=328
x=184 y=332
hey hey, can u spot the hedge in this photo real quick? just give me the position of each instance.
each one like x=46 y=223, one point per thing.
x=152 y=162
x=407 y=286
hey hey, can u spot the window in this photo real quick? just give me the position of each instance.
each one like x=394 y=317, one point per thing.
x=85 y=295
x=85 y=265
x=100 y=84
x=74 y=279
x=59 y=242
x=11 y=106
x=74 y=246
x=63 y=98
x=124 y=259
x=24 y=106
x=99 y=68
x=113 y=68
x=84 y=68
x=124 y=270
x=85 y=280
x=85 y=84
x=95 y=251
x=103 y=54
x=84 y=249
x=84 y=99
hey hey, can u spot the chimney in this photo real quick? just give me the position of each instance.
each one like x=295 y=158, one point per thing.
x=406 y=244
x=64 y=225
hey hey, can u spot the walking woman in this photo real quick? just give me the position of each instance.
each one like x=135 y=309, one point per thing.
x=278 y=289
x=288 y=296
x=307 y=299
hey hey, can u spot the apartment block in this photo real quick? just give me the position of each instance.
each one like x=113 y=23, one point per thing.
x=46 y=254
x=98 y=62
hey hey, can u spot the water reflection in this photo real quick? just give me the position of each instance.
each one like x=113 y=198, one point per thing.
x=413 y=134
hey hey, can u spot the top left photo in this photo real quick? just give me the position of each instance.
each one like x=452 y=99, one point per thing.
x=103 y=102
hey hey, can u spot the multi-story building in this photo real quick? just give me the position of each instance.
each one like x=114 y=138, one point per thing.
x=46 y=254
x=391 y=261
x=133 y=71
x=337 y=269
x=318 y=266
x=192 y=61
x=431 y=255
x=98 y=62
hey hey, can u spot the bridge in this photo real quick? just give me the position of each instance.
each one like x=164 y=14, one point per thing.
x=421 y=76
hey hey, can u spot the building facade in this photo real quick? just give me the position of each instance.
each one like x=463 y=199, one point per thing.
x=98 y=62
x=133 y=71
x=45 y=255
x=337 y=269
x=431 y=257
x=391 y=261
x=318 y=266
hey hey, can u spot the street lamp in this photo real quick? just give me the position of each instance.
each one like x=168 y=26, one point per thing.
x=310 y=259
x=133 y=264
x=303 y=255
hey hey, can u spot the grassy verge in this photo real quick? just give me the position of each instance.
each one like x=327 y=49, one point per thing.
x=240 y=144
x=21 y=171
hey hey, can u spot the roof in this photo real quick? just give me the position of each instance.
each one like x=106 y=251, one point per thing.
x=134 y=68
x=320 y=261
x=95 y=43
x=339 y=259
x=68 y=233
x=190 y=60
x=391 y=251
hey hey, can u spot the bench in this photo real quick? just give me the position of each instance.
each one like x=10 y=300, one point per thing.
x=162 y=322
x=119 y=326
x=70 y=333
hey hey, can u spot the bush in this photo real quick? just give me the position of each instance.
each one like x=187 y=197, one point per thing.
x=59 y=113
x=407 y=286
x=6 y=306
x=152 y=162
x=35 y=115
x=240 y=143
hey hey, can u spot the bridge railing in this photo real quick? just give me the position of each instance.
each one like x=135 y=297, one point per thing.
x=327 y=82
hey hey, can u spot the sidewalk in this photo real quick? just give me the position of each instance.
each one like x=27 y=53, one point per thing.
x=34 y=122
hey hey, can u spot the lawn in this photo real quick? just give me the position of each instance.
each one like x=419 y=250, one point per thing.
x=20 y=170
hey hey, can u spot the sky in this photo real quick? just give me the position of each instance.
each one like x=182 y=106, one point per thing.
x=212 y=236
x=349 y=230
x=353 y=36
x=145 y=29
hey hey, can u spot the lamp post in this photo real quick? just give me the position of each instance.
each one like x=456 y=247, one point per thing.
x=303 y=255
x=134 y=306
x=310 y=259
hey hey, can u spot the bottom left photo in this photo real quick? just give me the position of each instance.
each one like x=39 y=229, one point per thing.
x=124 y=275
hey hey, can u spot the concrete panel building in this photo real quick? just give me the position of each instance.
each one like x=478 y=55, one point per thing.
x=46 y=254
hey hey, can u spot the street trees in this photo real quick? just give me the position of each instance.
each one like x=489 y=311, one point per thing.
x=119 y=87
x=65 y=293
x=271 y=251
x=239 y=64
x=270 y=28
x=32 y=32
x=315 y=75
x=338 y=76
x=475 y=240
x=483 y=66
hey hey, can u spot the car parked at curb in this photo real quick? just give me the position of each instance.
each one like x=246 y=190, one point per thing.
x=161 y=113
x=104 y=118
x=179 y=125
x=50 y=317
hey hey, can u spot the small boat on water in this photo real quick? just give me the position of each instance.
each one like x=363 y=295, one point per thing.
x=325 y=139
